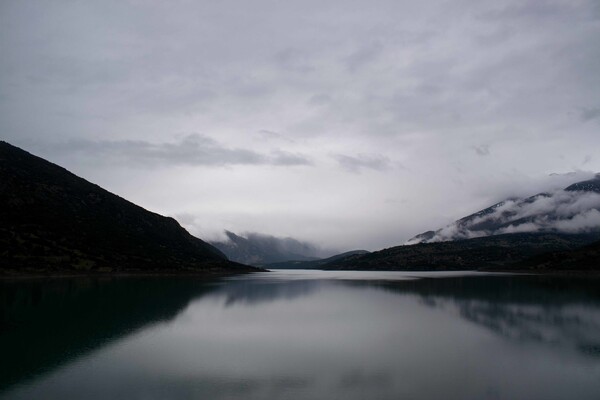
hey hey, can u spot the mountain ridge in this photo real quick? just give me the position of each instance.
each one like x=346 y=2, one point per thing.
x=258 y=249
x=501 y=252
x=561 y=211
x=314 y=264
x=56 y=222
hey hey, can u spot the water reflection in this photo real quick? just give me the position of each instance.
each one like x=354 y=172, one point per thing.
x=551 y=310
x=45 y=323
x=305 y=334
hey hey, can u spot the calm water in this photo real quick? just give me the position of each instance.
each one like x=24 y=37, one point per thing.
x=302 y=335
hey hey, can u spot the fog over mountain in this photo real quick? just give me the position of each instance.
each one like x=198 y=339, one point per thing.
x=576 y=209
x=258 y=249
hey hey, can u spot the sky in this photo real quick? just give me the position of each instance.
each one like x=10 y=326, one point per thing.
x=349 y=124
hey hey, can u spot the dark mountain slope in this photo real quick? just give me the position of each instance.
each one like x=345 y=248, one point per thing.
x=488 y=252
x=55 y=222
x=586 y=258
x=313 y=264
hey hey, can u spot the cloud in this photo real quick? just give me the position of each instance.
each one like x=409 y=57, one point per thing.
x=588 y=114
x=559 y=211
x=282 y=244
x=194 y=150
x=280 y=157
x=359 y=162
x=258 y=248
x=363 y=56
x=265 y=134
x=420 y=82
x=482 y=150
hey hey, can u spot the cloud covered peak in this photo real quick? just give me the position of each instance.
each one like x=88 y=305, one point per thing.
x=575 y=209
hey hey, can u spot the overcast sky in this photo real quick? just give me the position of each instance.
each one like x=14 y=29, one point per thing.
x=352 y=124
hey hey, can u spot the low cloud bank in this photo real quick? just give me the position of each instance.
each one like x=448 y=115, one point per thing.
x=257 y=248
x=559 y=211
x=194 y=150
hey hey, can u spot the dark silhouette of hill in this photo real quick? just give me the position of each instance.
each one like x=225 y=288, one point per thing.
x=492 y=252
x=56 y=222
x=586 y=258
x=313 y=264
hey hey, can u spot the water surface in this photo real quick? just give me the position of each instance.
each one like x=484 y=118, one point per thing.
x=302 y=335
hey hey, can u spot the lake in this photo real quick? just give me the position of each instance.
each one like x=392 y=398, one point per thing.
x=302 y=335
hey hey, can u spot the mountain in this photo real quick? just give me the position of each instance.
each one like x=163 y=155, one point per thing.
x=575 y=209
x=492 y=252
x=259 y=249
x=313 y=264
x=54 y=222
x=586 y=258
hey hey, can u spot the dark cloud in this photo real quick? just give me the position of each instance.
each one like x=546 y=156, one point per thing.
x=482 y=150
x=588 y=114
x=279 y=157
x=359 y=162
x=265 y=134
x=195 y=150
x=539 y=10
x=363 y=56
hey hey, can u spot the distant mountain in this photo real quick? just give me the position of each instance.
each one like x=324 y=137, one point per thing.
x=55 y=222
x=258 y=249
x=314 y=264
x=576 y=209
x=492 y=252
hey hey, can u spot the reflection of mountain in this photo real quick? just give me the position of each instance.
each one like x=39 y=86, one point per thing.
x=264 y=291
x=556 y=311
x=47 y=323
